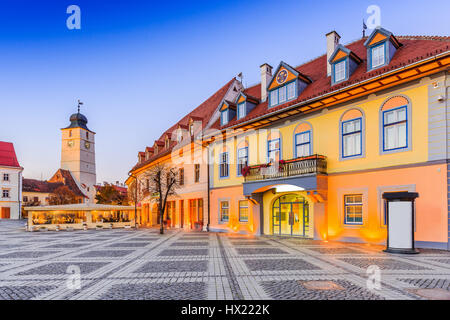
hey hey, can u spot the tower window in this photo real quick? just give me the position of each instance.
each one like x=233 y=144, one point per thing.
x=87 y=135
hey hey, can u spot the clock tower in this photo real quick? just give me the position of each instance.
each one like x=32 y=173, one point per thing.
x=78 y=153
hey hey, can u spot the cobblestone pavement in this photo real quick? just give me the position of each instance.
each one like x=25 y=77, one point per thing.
x=141 y=264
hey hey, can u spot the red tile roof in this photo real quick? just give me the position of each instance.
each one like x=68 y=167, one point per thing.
x=60 y=178
x=122 y=190
x=8 y=155
x=413 y=49
x=202 y=113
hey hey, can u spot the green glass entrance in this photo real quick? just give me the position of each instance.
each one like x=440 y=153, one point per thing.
x=290 y=216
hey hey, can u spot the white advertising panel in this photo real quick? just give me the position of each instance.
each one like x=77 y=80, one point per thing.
x=400 y=224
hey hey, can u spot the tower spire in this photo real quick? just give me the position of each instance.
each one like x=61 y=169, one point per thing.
x=79 y=105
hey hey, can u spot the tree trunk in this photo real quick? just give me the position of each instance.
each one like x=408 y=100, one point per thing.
x=161 y=218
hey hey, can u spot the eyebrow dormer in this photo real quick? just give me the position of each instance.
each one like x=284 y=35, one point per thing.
x=244 y=104
x=381 y=46
x=343 y=63
x=286 y=84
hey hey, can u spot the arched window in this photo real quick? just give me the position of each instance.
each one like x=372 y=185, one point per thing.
x=395 y=127
x=303 y=140
x=352 y=134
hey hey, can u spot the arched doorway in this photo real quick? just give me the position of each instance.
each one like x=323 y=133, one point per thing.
x=290 y=216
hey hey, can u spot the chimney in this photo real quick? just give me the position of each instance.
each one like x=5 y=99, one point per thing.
x=266 y=75
x=332 y=42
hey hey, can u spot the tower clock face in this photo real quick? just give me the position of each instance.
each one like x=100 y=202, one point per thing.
x=70 y=143
x=87 y=144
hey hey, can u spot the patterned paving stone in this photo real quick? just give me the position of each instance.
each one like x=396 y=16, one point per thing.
x=447 y=261
x=336 y=250
x=262 y=251
x=279 y=264
x=66 y=245
x=23 y=292
x=105 y=254
x=148 y=239
x=295 y=290
x=59 y=268
x=26 y=254
x=382 y=263
x=157 y=291
x=189 y=244
x=250 y=243
x=193 y=238
x=128 y=245
x=428 y=283
x=184 y=252
x=174 y=266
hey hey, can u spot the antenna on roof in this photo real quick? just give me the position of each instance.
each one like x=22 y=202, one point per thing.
x=364 y=29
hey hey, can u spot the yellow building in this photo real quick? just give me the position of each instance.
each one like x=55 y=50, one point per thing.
x=310 y=150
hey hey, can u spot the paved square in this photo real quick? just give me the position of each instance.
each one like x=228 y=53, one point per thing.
x=142 y=264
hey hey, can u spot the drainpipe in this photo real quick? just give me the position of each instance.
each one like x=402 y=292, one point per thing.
x=209 y=204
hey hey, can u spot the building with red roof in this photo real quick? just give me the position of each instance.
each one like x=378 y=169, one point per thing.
x=10 y=182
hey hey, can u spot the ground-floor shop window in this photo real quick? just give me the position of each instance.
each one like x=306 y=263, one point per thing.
x=196 y=213
x=353 y=209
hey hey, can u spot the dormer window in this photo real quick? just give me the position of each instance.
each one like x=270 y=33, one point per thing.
x=179 y=135
x=224 y=117
x=287 y=84
x=381 y=46
x=339 y=71
x=191 y=129
x=166 y=143
x=343 y=63
x=241 y=110
x=378 y=56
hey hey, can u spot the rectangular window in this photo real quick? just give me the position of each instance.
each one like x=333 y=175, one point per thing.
x=6 y=177
x=291 y=90
x=35 y=199
x=243 y=211
x=395 y=129
x=197 y=172
x=303 y=144
x=25 y=199
x=181 y=176
x=224 y=165
x=224 y=211
x=282 y=94
x=273 y=148
x=378 y=58
x=339 y=71
x=224 y=117
x=351 y=138
x=353 y=209
x=274 y=97
x=5 y=193
x=241 y=110
x=242 y=160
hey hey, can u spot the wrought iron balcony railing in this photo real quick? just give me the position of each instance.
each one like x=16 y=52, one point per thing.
x=286 y=168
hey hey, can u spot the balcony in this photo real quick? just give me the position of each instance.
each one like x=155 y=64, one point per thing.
x=315 y=164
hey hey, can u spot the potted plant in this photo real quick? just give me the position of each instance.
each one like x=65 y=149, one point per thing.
x=99 y=227
x=85 y=227
x=57 y=228
x=111 y=225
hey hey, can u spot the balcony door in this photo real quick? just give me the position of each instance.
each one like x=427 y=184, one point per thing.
x=290 y=216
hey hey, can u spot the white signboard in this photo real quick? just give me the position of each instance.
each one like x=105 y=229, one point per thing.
x=400 y=225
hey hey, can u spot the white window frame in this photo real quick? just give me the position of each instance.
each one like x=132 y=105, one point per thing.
x=291 y=91
x=353 y=204
x=245 y=206
x=380 y=59
x=340 y=72
x=241 y=110
x=227 y=208
x=355 y=134
x=397 y=125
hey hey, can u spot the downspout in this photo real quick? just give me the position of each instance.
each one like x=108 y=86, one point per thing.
x=208 y=188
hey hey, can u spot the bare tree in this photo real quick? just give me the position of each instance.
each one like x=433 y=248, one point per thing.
x=163 y=183
x=135 y=195
x=62 y=195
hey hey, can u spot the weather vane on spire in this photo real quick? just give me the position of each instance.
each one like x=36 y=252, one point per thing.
x=79 y=105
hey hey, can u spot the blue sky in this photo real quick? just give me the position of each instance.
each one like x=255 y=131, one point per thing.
x=139 y=66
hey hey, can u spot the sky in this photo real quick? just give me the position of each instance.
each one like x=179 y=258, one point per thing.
x=140 y=66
